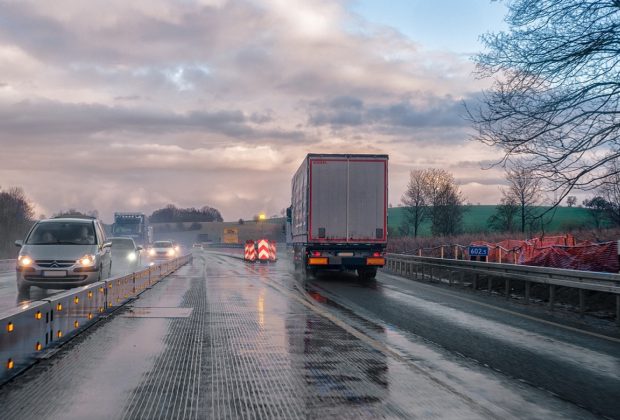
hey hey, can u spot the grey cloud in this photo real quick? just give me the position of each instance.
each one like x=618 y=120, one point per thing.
x=128 y=98
x=350 y=111
x=55 y=119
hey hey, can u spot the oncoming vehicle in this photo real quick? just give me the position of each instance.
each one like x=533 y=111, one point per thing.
x=162 y=250
x=126 y=253
x=62 y=253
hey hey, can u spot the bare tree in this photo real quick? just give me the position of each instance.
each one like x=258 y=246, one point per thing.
x=597 y=207
x=571 y=200
x=504 y=219
x=524 y=189
x=414 y=199
x=556 y=94
x=446 y=201
x=610 y=192
x=16 y=217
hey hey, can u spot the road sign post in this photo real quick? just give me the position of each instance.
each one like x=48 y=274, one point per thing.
x=478 y=253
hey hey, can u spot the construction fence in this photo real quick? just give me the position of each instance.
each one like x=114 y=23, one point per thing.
x=551 y=251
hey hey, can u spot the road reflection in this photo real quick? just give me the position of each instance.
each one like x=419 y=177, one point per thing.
x=337 y=366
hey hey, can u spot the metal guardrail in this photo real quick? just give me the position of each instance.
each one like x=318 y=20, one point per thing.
x=428 y=267
x=27 y=330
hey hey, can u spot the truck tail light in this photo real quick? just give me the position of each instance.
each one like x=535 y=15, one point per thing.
x=315 y=253
x=318 y=261
x=375 y=261
x=376 y=254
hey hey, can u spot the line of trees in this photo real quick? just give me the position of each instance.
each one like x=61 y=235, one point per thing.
x=172 y=214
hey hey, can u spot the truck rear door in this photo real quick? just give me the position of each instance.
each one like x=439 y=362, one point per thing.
x=348 y=199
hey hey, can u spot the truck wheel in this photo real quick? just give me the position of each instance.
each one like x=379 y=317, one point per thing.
x=367 y=273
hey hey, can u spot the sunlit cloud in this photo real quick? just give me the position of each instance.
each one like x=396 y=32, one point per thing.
x=215 y=102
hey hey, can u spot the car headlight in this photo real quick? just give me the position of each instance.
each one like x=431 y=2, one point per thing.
x=87 y=260
x=24 y=261
x=131 y=256
x=176 y=248
x=152 y=252
x=171 y=252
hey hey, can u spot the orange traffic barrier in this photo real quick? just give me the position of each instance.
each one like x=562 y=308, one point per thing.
x=272 y=251
x=263 y=250
x=250 y=251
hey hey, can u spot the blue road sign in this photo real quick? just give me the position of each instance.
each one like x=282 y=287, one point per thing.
x=478 y=251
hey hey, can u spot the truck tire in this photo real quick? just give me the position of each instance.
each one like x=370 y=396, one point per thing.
x=367 y=273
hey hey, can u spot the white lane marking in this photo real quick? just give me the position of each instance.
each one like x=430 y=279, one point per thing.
x=508 y=311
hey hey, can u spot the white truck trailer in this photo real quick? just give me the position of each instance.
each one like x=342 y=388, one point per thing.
x=338 y=213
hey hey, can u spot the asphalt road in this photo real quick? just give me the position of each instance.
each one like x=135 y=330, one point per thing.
x=226 y=339
x=578 y=363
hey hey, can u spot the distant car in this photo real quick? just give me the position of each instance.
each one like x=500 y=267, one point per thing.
x=197 y=246
x=62 y=253
x=162 y=250
x=126 y=253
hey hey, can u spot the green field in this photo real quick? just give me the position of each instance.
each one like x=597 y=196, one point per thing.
x=476 y=219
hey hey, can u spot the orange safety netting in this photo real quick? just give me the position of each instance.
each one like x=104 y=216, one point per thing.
x=556 y=251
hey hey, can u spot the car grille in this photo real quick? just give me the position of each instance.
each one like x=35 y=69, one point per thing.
x=54 y=279
x=55 y=263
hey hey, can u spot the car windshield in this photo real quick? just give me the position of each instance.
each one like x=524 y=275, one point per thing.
x=122 y=243
x=162 y=244
x=62 y=233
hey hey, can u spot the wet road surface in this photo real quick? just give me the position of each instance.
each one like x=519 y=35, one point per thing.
x=222 y=339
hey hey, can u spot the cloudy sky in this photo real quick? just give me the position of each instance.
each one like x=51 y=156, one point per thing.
x=130 y=105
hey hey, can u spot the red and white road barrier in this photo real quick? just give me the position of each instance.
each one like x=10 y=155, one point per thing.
x=263 y=250
x=250 y=251
x=273 y=255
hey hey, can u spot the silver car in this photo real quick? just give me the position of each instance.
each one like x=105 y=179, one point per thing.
x=126 y=254
x=62 y=253
x=162 y=250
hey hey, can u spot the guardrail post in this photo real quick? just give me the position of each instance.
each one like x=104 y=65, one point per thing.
x=442 y=252
x=582 y=302
x=476 y=281
x=551 y=296
x=456 y=252
x=618 y=310
x=527 y=292
x=507 y=289
x=490 y=284
x=431 y=273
